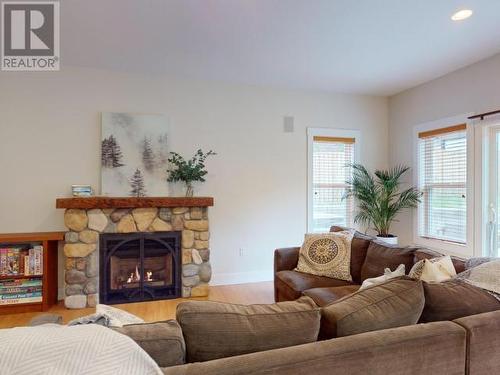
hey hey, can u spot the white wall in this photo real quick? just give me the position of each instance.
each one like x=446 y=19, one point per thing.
x=50 y=132
x=475 y=88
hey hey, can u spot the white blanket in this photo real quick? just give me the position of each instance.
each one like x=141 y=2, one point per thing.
x=485 y=276
x=57 y=350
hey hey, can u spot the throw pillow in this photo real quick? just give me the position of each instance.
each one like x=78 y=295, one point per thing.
x=327 y=254
x=216 y=330
x=395 y=303
x=359 y=247
x=436 y=269
x=455 y=299
x=388 y=274
x=381 y=255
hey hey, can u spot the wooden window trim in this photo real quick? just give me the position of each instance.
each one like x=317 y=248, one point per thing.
x=318 y=138
x=440 y=131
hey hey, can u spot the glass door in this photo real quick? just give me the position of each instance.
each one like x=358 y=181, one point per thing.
x=493 y=202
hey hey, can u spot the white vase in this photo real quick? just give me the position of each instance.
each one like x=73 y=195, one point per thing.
x=389 y=240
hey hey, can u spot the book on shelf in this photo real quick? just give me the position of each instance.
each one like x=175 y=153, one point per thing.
x=20 y=282
x=20 y=289
x=20 y=295
x=20 y=300
x=15 y=291
x=21 y=261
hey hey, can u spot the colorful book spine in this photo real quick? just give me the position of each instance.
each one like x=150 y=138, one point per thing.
x=20 y=295
x=31 y=254
x=38 y=250
x=21 y=282
x=20 y=300
x=27 y=265
x=13 y=261
x=20 y=289
x=3 y=261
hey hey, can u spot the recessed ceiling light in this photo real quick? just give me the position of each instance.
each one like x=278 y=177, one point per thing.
x=461 y=15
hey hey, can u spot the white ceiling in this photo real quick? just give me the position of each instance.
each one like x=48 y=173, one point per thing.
x=358 y=46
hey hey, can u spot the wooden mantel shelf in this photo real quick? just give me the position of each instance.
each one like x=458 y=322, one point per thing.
x=127 y=202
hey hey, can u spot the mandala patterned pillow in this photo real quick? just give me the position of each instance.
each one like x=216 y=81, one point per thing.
x=327 y=254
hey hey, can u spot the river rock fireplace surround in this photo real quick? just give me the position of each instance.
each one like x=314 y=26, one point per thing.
x=165 y=252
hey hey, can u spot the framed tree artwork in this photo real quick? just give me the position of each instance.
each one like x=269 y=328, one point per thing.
x=134 y=155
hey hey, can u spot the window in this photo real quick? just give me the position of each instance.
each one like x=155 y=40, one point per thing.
x=330 y=154
x=442 y=177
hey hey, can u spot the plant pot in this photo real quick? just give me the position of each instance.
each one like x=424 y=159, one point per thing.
x=391 y=240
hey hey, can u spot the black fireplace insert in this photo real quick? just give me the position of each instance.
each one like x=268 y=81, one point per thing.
x=138 y=267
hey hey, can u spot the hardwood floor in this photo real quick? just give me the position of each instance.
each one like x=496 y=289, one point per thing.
x=160 y=310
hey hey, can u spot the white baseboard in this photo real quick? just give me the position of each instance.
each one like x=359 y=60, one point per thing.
x=241 y=277
x=223 y=279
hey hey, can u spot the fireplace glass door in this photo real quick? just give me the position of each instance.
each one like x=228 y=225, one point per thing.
x=139 y=266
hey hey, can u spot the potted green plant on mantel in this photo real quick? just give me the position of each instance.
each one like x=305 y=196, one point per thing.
x=188 y=171
x=379 y=198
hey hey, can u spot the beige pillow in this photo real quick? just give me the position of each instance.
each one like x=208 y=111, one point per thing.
x=433 y=270
x=327 y=254
x=395 y=303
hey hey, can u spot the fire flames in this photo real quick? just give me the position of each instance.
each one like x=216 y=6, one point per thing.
x=136 y=276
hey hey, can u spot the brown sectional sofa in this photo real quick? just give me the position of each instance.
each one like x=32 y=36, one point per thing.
x=222 y=339
x=368 y=259
x=448 y=339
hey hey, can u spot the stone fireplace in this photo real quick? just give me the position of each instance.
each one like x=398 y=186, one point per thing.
x=93 y=224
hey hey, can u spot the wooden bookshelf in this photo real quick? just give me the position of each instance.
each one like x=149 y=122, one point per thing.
x=49 y=241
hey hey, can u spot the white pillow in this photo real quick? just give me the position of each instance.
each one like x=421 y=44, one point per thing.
x=400 y=271
x=433 y=270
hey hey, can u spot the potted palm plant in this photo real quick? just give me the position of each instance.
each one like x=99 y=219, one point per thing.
x=380 y=198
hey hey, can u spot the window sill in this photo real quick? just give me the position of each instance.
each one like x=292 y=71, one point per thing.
x=443 y=246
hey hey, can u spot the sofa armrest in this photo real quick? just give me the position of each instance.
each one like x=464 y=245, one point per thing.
x=286 y=258
x=163 y=341
x=483 y=340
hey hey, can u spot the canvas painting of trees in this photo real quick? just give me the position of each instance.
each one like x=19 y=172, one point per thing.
x=134 y=153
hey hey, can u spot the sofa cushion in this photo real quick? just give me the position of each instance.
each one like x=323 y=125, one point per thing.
x=380 y=256
x=216 y=330
x=297 y=282
x=395 y=303
x=455 y=299
x=359 y=247
x=325 y=296
x=163 y=341
x=327 y=254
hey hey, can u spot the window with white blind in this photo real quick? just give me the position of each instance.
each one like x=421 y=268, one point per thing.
x=442 y=177
x=330 y=155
